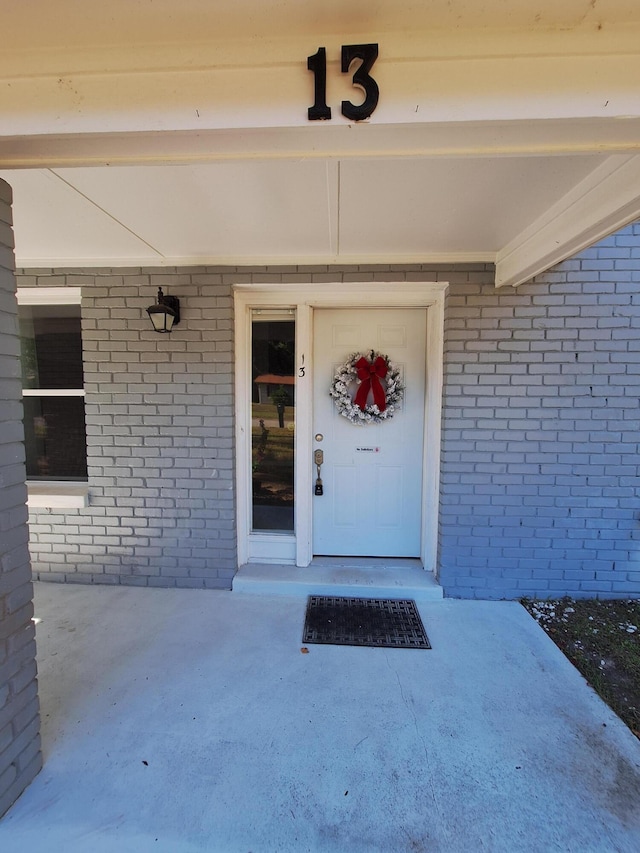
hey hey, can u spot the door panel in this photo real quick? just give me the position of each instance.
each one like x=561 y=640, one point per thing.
x=372 y=475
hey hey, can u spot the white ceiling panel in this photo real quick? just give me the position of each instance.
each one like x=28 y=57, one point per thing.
x=376 y=210
x=216 y=210
x=53 y=221
x=449 y=206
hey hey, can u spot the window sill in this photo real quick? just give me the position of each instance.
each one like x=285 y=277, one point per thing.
x=59 y=495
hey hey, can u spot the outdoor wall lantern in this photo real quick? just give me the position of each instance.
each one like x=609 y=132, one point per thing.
x=165 y=314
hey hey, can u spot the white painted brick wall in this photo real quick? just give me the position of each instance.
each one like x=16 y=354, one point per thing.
x=20 y=757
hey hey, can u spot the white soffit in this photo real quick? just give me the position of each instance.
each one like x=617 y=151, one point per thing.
x=217 y=211
x=386 y=210
x=53 y=223
x=449 y=207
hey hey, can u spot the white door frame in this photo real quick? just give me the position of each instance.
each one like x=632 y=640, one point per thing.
x=296 y=548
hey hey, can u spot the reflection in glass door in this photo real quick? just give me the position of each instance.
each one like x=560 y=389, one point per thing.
x=272 y=421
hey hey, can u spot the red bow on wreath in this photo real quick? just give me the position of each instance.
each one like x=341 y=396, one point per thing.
x=370 y=373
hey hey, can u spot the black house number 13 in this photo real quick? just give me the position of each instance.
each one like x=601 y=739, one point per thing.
x=317 y=63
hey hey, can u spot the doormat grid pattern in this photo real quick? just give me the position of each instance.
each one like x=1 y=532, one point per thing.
x=384 y=622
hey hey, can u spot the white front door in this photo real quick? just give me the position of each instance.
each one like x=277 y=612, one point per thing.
x=372 y=475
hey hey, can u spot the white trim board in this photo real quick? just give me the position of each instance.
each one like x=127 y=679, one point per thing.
x=49 y=295
x=606 y=200
x=297 y=549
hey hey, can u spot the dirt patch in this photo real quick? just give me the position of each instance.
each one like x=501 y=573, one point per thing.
x=602 y=640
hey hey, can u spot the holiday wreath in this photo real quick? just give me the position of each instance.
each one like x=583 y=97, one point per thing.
x=373 y=374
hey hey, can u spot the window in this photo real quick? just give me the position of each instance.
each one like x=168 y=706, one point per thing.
x=272 y=421
x=52 y=383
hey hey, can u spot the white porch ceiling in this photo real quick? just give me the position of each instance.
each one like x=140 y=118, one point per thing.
x=285 y=211
x=166 y=133
x=316 y=211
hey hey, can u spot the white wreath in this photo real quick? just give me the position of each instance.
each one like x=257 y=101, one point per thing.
x=345 y=381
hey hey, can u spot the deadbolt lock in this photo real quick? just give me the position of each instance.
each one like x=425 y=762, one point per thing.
x=318 y=458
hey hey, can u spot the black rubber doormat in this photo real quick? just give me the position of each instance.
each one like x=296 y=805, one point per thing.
x=384 y=622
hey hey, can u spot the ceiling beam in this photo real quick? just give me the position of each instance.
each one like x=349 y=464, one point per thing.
x=606 y=200
x=259 y=94
x=448 y=139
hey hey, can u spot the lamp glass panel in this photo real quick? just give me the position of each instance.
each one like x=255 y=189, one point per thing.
x=162 y=321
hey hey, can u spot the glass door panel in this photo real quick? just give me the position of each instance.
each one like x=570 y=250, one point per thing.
x=272 y=423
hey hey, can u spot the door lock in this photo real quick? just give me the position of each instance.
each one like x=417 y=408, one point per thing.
x=318 y=458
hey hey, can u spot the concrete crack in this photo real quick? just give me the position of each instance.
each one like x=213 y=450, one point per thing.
x=421 y=739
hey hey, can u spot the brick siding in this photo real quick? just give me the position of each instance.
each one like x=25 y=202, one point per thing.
x=159 y=417
x=540 y=427
x=540 y=490
x=20 y=757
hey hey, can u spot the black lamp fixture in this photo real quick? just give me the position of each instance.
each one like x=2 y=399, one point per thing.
x=165 y=314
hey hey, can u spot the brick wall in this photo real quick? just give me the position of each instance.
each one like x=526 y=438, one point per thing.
x=160 y=425
x=20 y=757
x=159 y=415
x=540 y=485
x=539 y=478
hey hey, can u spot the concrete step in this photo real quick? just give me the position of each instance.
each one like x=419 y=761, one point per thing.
x=354 y=577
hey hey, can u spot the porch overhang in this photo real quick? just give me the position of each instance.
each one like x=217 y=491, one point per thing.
x=167 y=136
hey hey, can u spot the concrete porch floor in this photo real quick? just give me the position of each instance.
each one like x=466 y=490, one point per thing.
x=185 y=720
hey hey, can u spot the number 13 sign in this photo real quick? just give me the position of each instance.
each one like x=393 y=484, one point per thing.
x=317 y=63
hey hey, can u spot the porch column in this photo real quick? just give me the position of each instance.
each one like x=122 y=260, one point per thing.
x=20 y=757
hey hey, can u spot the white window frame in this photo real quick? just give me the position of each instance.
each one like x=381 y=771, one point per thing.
x=58 y=494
